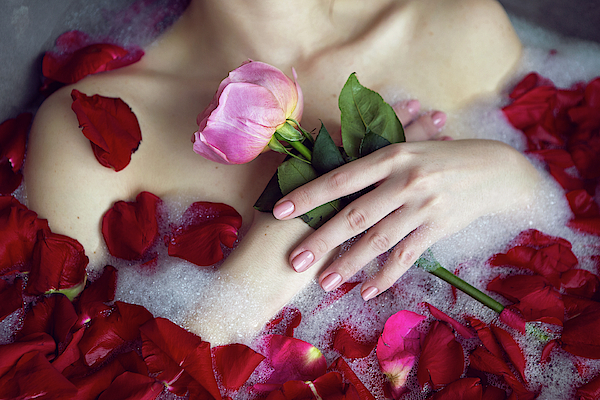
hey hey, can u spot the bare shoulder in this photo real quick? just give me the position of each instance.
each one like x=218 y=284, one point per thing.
x=473 y=40
x=65 y=183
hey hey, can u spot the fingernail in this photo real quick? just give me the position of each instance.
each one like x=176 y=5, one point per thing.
x=283 y=210
x=331 y=282
x=303 y=260
x=369 y=293
x=413 y=107
x=439 y=119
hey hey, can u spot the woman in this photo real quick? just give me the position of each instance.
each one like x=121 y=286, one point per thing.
x=444 y=52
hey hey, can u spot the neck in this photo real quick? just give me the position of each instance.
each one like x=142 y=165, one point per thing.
x=283 y=33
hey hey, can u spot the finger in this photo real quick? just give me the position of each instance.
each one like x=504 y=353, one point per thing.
x=404 y=255
x=425 y=127
x=407 y=110
x=342 y=181
x=364 y=212
x=376 y=241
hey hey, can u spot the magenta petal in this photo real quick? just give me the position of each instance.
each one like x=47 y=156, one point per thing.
x=292 y=359
x=398 y=347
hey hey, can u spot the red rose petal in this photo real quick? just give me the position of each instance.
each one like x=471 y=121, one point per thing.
x=589 y=391
x=485 y=361
x=11 y=353
x=9 y=179
x=581 y=334
x=111 y=127
x=58 y=263
x=11 y=297
x=18 y=233
x=331 y=386
x=462 y=389
x=132 y=386
x=131 y=228
x=548 y=349
x=13 y=137
x=292 y=390
x=486 y=336
x=342 y=366
x=170 y=351
x=91 y=301
x=582 y=204
x=286 y=320
x=48 y=382
x=77 y=57
x=350 y=347
x=71 y=353
x=107 y=335
x=235 y=363
x=544 y=305
x=442 y=358
x=54 y=315
x=516 y=287
x=206 y=226
x=292 y=359
x=510 y=346
x=584 y=147
x=579 y=282
x=514 y=320
x=458 y=327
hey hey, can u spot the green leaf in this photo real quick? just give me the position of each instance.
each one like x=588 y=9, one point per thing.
x=269 y=196
x=294 y=173
x=372 y=142
x=364 y=110
x=326 y=155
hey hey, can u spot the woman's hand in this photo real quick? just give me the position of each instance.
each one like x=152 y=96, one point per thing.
x=424 y=191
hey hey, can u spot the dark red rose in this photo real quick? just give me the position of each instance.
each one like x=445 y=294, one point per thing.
x=131 y=228
x=111 y=127
x=205 y=227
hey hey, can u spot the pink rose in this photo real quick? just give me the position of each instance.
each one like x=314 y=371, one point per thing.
x=250 y=105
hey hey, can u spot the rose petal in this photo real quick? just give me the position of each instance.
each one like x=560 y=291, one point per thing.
x=544 y=305
x=398 y=348
x=91 y=301
x=342 y=366
x=54 y=315
x=512 y=349
x=292 y=359
x=107 y=335
x=442 y=358
x=235 y=363
x=458 y=327
x=174 y=353
x=77 y=57
x=13 y=137
x=48 y=382
x=348 y=346
x=589 y=391
x=18 y=233
x=580 y=282
x=581 y=334
x=111 y=127
x=516 y=287
x=284 y=322
x=58 y=264
x=332 y=386
x=11 y=297
x=132 y=386
x=462 y=389
x=9 y=179
x=206 y=226
x=486 y=336
x=10 y=353
x=131 y=228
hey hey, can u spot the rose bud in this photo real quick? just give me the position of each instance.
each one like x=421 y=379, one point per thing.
x=253 y=102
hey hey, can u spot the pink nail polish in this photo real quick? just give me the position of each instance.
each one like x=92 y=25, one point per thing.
x=283 y=210
x=413 y=107
x=303 y=260
x=369 y=293
x=331 y=282
x=439 y=119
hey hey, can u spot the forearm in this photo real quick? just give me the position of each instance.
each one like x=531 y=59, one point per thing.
x=254 y=282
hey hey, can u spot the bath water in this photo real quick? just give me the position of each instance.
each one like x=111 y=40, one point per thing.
x=172 y=288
